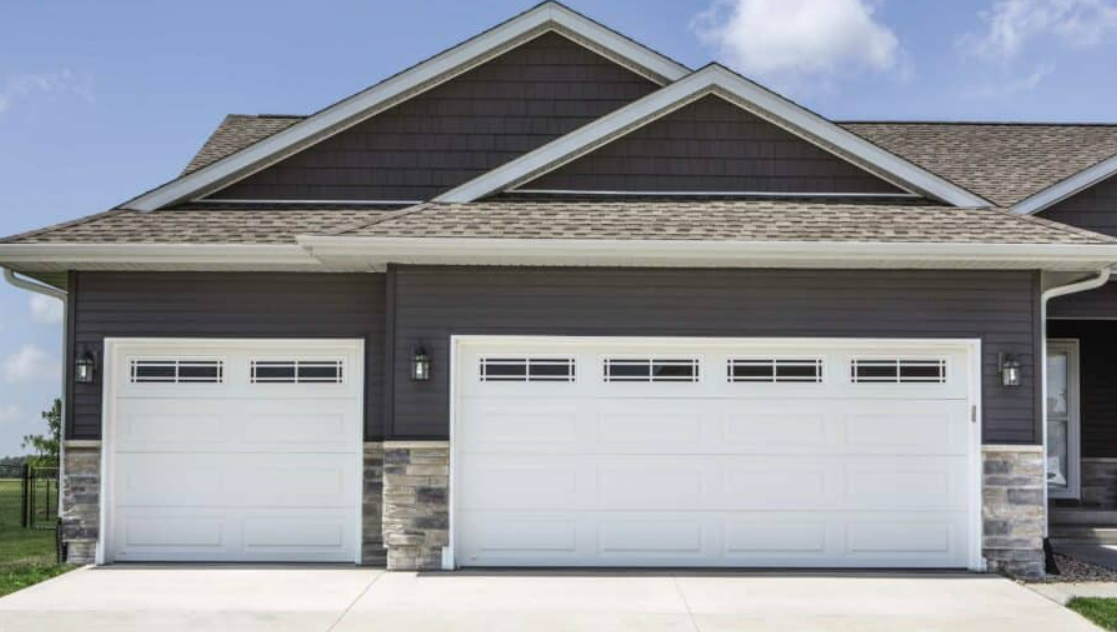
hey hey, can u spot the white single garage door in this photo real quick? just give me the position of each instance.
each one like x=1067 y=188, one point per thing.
x=791 y=453
x=232 y=451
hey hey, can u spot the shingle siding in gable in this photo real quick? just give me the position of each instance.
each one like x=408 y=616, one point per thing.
x=1093 y=209
x=456 y=131
x=711 y=145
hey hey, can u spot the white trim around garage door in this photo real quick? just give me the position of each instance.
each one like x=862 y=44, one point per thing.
x=972 y=348
x=113 y=347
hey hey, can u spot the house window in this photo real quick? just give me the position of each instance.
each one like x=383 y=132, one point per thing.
x=177 y=371
x=298 y=371
x=898 y=371
x=773 y=370
x=527 y=369
x=650 y=370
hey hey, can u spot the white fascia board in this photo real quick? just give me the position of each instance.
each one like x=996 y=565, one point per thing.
x=377 y=252
x=712 y=79
x=140 y=255
x=1058 y=192
x=344 y=114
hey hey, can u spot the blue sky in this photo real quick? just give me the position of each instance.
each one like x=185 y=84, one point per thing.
x=102 y=100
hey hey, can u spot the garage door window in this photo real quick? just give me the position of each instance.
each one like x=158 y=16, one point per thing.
x=177 y=371
x=651 y=370
x=297 y=372
x=898 y=371
x=527 y=369
x=774 y=370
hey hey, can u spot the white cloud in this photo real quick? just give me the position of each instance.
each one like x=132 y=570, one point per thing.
x=19 y=87
x=792 y=40
x=45 y=310
x=10 y=414
x=30 y=364
x=1011 y=24
x=1012 y=87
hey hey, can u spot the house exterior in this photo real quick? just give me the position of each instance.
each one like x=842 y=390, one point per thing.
x=550 y=298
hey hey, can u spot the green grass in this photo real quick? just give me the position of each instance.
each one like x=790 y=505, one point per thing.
x=27 y=556
x=46 y=502
x=1101 y=611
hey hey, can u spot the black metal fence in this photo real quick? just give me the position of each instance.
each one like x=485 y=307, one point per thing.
x=28 y=496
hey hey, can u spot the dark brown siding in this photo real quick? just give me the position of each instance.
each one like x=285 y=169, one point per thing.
x=1094 y=209
x=1098 y=387
x=711 y=145
x=454 y=132
x=226 y=305
x=1099 y=303
x=431 y=303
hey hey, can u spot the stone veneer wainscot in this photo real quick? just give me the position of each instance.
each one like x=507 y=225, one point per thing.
x=1013 y=510
x=416 y=503
x=80 y=517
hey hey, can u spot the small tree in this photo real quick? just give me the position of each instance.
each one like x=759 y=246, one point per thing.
x=46 y=446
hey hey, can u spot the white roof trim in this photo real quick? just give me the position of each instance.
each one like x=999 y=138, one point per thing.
x=1062 y=190
x=546 y=16
x=713 y=79
x=376 y=252
x=47 y=257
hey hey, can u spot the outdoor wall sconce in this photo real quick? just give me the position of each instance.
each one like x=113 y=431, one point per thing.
x=420 y=365
x=1010 y=370
x=85 y=368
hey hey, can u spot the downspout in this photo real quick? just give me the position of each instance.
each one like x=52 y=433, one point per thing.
x=1062 y=290
x=62 y=295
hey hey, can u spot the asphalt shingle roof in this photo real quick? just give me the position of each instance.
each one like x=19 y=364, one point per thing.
x=236 y=132
x=1002 y=162
x=723 y=220
x=202 y=224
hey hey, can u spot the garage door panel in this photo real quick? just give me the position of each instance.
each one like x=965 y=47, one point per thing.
x=829 y=473
x=519 y=425
x=748 y=538
x=518 y=484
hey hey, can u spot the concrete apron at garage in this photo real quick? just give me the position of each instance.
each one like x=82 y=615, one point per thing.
x=246 y=599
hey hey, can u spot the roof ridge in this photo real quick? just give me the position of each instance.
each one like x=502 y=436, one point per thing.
x=67 y=224
x=1067 y=228
x=386 y=217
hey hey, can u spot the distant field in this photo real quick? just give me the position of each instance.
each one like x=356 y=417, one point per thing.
x=27 y=556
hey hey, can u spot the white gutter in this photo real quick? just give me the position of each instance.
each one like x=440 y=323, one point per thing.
x=63 y=296
x=1062 y=290
x=378 y=251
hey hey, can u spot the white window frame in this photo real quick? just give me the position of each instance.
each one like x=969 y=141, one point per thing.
x=1072 y=348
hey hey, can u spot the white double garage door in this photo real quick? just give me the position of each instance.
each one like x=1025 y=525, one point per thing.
x=565 y=452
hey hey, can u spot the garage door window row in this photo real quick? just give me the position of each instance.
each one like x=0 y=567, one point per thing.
x=192 y=371
x=755 y=370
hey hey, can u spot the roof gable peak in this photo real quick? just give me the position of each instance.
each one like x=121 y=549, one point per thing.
x=742 y=92
x=545 y=17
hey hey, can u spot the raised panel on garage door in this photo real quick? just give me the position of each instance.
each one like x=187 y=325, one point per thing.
x=250 y=466
x=722 y=470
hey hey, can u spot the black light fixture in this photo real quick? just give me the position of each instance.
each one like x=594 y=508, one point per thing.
x=1010 y=369
x=85 y=368
x=420 y=365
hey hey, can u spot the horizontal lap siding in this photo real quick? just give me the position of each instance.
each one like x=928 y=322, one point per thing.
x=431 y=303
x=712 y=145
x=1093 y=209
x=483 y=118
x=1099 y=303
x=1098 y=388
x=226 y=305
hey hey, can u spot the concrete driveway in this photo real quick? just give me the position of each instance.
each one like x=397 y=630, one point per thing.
x=122 y=599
